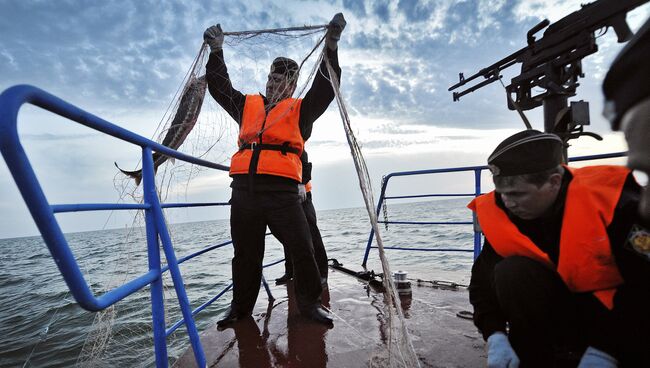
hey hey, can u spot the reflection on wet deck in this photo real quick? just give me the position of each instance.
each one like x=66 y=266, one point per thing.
x=277 y=336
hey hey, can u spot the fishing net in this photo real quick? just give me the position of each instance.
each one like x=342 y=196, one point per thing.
x=213 y=136
x=401 y=351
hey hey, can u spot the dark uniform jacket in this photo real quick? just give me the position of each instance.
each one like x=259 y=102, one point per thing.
x=314 y=104
x=545 y=234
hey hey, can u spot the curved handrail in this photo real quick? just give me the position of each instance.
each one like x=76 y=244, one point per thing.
x=11 y=100
x=43 y=212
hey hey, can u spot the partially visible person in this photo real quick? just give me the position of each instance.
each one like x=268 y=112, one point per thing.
x=266 y=171
x=310 y=213
x=559 y=281
x=627 y=104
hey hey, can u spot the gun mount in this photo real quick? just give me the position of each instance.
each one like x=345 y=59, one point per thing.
x=553 y=63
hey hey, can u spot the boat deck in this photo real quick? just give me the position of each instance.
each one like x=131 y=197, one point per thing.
x=277 y=336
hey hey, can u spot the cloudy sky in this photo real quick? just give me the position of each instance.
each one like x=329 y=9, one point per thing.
x=124 y=61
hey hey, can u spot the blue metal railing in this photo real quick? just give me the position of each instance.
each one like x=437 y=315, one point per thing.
x=156 y=229
x=477 y=191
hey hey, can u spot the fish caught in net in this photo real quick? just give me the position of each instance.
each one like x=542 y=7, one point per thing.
x=181 y=125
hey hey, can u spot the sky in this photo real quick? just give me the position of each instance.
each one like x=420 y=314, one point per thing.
x=124 y=61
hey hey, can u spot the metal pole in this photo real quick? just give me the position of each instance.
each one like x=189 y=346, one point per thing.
x=553 y=104
x=372 y=231
x=174 y=270
x=153 y=250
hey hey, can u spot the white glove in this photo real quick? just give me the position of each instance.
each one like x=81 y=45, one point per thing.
x=334 y=30
x=500 y=353
x=213 y=36
x=594 y=358
x=302 y=192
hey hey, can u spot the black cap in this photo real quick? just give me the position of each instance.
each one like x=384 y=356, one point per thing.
x=527 y=152
x=286 y=66
x=628 y=79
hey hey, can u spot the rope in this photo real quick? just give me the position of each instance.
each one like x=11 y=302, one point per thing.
x=275 y=30
x=407 y=352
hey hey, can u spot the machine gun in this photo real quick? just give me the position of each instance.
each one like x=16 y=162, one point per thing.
x=553 y=63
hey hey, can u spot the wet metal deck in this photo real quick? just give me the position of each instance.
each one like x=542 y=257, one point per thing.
x=277 y=336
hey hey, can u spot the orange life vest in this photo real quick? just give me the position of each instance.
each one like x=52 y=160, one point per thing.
x=279 y=145
x=585 y=261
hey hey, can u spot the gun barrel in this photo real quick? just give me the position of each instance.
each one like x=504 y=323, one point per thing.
x=458 y=95
x=488 y=73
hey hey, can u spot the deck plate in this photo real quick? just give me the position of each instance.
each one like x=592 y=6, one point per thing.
x=277 y=336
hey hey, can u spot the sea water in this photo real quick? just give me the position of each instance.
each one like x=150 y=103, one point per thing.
x=42 y=326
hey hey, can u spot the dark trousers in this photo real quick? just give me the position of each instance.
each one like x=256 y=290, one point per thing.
x=549 y=326
x=317 y=241
x=250 y=214
x=542 y=314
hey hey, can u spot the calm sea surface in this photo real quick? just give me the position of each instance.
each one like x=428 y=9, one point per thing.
x=42 y=326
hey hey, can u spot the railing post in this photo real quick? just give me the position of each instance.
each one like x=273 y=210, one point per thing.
x=172 y=262
x=372 y=231
x=153 y=251
x=175 y=272
x=477 y=192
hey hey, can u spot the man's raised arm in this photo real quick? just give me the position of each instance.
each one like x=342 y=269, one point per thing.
x=218 y=79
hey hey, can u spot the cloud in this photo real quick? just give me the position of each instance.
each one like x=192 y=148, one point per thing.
x=124 y=61
x=126 y=54
x=57 y=137
x=100 y=49
x=393 y=129
x=540 y=9
x=381 y=9
x=358 y=8
x=416 y=11
x=11 y=61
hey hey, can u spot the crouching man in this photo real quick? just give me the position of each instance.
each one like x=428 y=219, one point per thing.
x=559 y=281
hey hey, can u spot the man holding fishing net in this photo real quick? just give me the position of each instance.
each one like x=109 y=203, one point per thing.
x=266 y=171
x=562 y=279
